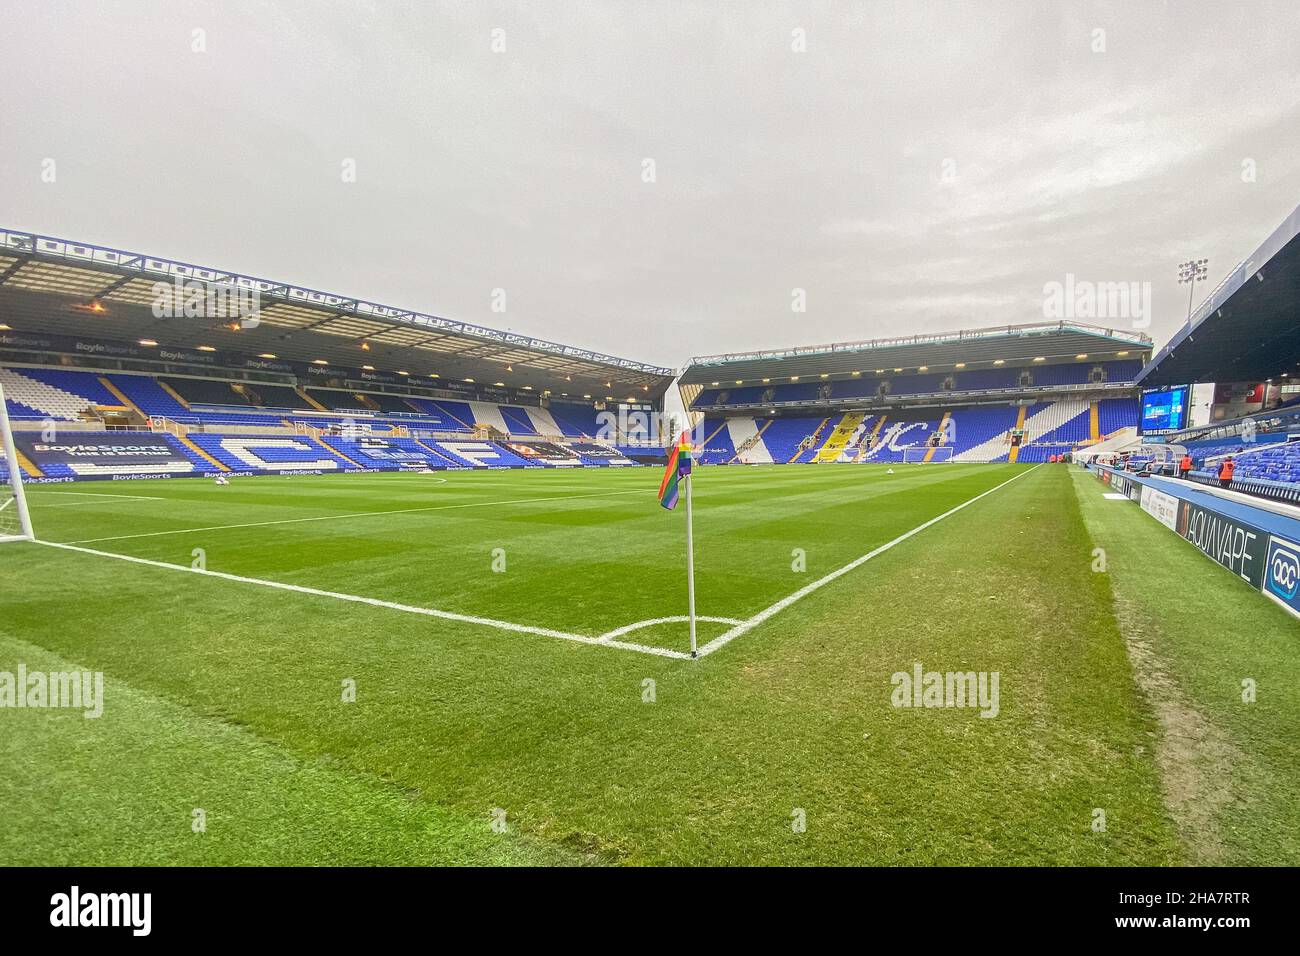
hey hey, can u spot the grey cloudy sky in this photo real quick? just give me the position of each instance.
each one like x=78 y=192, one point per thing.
x=775 y=169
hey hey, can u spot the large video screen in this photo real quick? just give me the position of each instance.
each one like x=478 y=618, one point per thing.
x=1165 y=410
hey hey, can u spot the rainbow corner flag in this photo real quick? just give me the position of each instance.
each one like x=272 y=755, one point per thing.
x=679 y=466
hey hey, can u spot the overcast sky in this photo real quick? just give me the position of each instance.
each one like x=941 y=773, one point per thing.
x=913 y=167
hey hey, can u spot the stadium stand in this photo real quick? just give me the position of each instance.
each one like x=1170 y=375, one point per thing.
x=1025 y=379
x=52 y=393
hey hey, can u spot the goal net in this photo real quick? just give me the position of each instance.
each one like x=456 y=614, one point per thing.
x=919 y=456
x=15 y=523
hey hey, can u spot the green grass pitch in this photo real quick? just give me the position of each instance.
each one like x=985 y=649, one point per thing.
x=522 y=693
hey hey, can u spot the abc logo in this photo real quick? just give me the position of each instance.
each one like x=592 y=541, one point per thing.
x=1284 y=571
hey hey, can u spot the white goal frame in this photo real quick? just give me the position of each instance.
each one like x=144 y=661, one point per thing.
x=11 y=492
x=942 y=455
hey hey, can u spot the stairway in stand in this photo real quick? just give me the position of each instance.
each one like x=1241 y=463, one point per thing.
x=839 y=439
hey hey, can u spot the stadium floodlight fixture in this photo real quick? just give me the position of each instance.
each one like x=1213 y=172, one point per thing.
x=824 y=375
x=403 y=373
x=794 y=378
x=1082 y=355
x=319 y=362
x=148 y=343
x=1040 y=358
x=3 y=327
x=206 y=348
x=960 y=365
x=266 y=355
x=1189 y=273
x=999 y=361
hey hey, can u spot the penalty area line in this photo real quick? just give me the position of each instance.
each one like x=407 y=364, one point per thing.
x=376 y=602
x=744 y=627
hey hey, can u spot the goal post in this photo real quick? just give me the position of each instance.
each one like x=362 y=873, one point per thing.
x=15 y=521
x=932 y=454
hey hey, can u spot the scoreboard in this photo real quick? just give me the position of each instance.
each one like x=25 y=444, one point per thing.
x=1165 y=410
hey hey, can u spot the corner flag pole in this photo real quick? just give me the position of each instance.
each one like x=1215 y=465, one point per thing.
x=690 y=560
x=20 y=500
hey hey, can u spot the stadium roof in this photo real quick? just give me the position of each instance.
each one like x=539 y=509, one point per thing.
x=57 y=286
x=1006 y=343
x=1248 y=328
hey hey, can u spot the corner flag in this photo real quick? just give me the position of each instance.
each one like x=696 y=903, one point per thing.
x=679 y=466
x=678 y=470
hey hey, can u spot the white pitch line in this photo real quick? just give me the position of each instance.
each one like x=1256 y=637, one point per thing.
x=358 y=514
x=376 y=602
x=45 y=506
x=95 y=494
x=753 y=622
x=674 y=619
x=605 y=640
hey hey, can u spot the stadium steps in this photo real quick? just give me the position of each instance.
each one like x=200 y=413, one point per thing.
x=840 y=437
x=336 y=453
x=121 y=397
x=747 y=439
x=543 y=421
x=813 y=444
x=367 y=401
x=246 y=393
x=754 y=441
x=942 y=431
x=195 y=449
x=176 y=396
x=1014 y=453
x=864 y=446
x=27 y=465
x=715 y=432
x=302 y=393
x=1094 y=422
x=455 y=418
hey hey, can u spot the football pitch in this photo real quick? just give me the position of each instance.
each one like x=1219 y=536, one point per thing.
x=493 y=667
